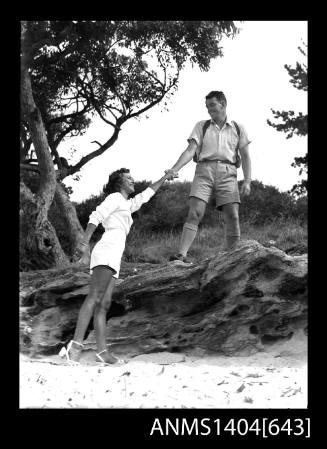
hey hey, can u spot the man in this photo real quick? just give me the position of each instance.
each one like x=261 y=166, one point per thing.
x=215 y=172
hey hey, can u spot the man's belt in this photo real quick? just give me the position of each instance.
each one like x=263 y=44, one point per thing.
x=217 y=160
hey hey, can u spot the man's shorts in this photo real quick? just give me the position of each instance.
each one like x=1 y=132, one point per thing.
x=218 y=179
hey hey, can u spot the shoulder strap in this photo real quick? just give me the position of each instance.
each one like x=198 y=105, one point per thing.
x=238 y=133
x=237 y=128
x=205 y=127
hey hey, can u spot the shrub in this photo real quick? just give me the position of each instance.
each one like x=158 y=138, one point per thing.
x=167 y=210
x=267 y=204
x=267 y=214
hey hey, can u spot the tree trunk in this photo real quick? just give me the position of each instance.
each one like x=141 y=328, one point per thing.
x=74 y=230
x=40 y=235
x=39 y=244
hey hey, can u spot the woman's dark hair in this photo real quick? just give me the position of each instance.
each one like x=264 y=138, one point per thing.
x=115 y=181
x=219 y=95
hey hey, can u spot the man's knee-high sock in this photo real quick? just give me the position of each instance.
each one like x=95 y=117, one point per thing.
x=232 y=234
x=231 y=241
x=188 y=235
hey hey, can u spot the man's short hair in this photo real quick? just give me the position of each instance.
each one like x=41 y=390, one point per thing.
x=115 y=181
x=219 y=95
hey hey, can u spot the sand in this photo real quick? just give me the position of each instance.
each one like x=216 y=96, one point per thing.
x=273 y=378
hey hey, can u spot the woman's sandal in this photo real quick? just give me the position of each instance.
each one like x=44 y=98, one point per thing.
x=115 y=360
x=64 y=352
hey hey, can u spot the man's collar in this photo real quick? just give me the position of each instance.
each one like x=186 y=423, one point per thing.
x=227 y=122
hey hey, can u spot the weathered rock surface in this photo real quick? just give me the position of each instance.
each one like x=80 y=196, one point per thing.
x=234 y=303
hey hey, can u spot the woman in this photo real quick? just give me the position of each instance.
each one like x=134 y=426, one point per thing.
x=115 y=215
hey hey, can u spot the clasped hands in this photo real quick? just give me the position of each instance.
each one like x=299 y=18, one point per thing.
x=171 y=174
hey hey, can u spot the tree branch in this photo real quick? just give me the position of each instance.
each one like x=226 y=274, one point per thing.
x=156 y=79
x=149 y=106
x=98 y=152
x=28 y=167
x=28 y=161
x=60 y=174
x=63 y=134
x=98 y=110
x=103 y=117
x=92 y=98
x=110 y=108
x=95 y=141
x=62 y=118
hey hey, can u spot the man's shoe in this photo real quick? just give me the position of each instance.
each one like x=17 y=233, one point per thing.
x=176 y=257
x=179 y=257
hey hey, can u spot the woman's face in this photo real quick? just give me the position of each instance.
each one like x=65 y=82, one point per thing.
x=127 y=183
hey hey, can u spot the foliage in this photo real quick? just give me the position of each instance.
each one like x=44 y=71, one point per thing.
x=32 y=181
x=167 y=210
x=115 y=69
x=85 y=208
x=266 y=215
x=267 y=204
x=295 y=124
x=289 y=235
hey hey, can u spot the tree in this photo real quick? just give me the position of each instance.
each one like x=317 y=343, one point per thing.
x=295 y=123
x=36 y=230
x=72 y=71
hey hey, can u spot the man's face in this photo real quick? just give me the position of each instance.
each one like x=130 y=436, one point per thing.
x=127 y=183
x=215 y=109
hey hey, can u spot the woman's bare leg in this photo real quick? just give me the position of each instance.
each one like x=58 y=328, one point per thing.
x=100 y=323
x=100 y=280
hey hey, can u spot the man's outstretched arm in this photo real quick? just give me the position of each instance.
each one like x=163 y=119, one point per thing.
x=184 y=158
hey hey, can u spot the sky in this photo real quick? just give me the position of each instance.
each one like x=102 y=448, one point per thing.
x=251 y=74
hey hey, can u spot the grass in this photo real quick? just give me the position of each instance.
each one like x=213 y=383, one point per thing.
x=144 y=246
x=155 y=247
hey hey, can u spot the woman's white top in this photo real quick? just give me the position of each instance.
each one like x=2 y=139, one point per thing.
x=115 y=215
x=115 y=212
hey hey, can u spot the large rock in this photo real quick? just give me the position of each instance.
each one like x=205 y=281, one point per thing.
x=234 y=303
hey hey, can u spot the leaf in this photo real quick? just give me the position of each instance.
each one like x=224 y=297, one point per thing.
x=240 y=389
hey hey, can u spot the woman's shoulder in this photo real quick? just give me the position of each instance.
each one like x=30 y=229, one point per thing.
x=113 y=197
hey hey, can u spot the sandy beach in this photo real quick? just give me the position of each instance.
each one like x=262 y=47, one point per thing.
x=274 y=378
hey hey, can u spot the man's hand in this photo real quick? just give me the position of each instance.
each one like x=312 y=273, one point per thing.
x=171 y=174
x=246 y=187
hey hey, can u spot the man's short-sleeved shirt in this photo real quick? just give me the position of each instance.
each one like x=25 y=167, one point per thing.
x=219 y=143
